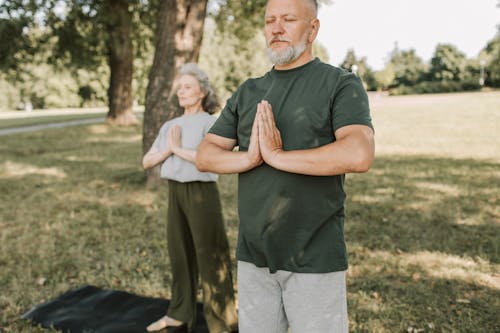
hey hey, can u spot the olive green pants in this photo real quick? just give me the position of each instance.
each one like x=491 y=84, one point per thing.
x=198 y=246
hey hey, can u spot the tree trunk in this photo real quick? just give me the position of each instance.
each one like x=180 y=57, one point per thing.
x=121 y=59
x=179 y=33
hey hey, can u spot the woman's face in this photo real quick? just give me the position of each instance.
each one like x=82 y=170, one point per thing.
x=189 y=92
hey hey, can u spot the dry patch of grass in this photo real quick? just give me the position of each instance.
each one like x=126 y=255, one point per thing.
x=10 y=169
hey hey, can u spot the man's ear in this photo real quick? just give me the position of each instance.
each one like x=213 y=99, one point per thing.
x=314 y=30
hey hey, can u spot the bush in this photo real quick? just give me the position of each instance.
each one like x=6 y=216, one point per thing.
x=434 y=87
x=9 y=96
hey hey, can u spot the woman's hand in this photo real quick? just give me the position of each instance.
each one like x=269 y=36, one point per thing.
x=174 y=141
x=174 y=137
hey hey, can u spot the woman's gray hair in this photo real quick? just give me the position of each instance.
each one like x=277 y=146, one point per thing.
x=210 y=102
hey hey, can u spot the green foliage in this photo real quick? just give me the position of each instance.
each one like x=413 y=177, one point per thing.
x=80 y=34
x=385 y=77
x=491 y=55
x=360 y=66
x=449 y=70
x=240 y=18
x=83 y=30
x=448 y=63
x=52 y=84
x=12 y=39
x=77 y=38
x=10 y=96
x=409 y=69
x=434 y=87
x=229 y=61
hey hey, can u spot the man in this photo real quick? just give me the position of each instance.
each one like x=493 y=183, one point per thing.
x=299 y=129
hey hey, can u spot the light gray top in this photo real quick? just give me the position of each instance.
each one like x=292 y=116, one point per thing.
x=194 y=128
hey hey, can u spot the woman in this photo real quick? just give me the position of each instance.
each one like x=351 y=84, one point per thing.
x=197 y=242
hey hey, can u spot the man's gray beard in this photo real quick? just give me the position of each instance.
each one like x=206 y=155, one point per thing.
x=287 y=55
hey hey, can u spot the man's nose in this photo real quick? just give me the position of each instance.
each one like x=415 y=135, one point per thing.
x=277 y=28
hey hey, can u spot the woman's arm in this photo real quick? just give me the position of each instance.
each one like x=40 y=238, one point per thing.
x=154 y=157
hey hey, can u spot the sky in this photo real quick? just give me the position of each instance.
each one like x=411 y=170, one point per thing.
x=372 y=27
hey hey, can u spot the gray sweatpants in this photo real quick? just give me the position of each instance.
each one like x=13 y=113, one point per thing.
x=305 y=302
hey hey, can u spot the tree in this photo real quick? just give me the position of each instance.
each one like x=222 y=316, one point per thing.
x=90 y=30
x=360 y=66
x=408 y=67
x=447 y=63
x=179 y=32
x=385 y=77
x=228 y=60
x=87 y=31
x=491 y=57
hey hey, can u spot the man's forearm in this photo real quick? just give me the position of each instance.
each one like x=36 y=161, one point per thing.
x=212 y=158
x=340 y=157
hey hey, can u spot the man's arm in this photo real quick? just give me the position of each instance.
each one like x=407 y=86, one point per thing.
x=353 y=150
x=215 y=154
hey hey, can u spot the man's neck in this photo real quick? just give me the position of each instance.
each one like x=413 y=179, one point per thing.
x=303 y=59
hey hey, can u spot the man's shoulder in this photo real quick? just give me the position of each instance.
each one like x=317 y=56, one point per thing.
x=255 y=81
x=329 y=69
x=341 y=77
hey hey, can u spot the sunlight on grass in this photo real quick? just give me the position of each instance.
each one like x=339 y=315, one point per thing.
x=145 y=199
x=423 y=264
x=439 y=188
x=74 y=158
x=445 y=266
x=99 y=129
x=116 y=139
x=11 y=169
x=369 y=199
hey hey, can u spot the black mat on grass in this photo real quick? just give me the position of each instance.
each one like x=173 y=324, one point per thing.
x=90 y=309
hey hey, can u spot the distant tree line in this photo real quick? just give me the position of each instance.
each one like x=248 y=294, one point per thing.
x=448 y=70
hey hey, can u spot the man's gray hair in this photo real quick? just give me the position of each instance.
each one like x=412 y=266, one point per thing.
x=315 y=6
x=210 y=102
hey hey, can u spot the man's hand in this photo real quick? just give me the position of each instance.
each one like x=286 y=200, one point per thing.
x=253 y=153
x=269 y=136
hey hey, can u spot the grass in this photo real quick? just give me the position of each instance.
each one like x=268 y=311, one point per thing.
x=30 y=121
x=422 y=227
x=11 y=119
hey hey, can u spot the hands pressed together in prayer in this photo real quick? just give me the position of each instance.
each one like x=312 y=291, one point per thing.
x=174 y=143
x=265 y=140
x=174 y=136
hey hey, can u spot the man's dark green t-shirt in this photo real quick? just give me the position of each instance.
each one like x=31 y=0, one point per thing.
x=290 y=221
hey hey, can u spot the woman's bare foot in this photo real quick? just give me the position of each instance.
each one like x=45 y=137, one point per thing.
x=162 y=323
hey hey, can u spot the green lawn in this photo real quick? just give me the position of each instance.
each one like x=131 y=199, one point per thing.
x=422 y=227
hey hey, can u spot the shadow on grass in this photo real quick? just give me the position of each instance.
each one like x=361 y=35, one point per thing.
x=416 y=203
x=384 y=302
